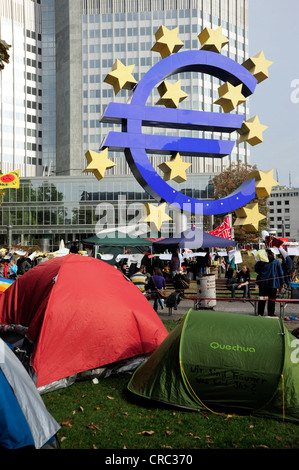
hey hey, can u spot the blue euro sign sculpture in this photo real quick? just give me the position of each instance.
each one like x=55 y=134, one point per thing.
x=136 y=114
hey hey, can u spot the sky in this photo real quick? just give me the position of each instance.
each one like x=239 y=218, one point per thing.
x=273 y=28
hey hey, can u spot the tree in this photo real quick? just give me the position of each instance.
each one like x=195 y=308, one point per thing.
x=227 y=182
x=4 y=56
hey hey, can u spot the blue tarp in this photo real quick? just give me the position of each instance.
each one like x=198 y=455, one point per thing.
x=24 y=419
x=15 y=432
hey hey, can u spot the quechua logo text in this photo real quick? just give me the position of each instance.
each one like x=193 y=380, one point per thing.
x=228 y=347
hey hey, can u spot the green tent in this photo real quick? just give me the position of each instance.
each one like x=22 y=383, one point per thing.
x=116 y=243
x=224 y=362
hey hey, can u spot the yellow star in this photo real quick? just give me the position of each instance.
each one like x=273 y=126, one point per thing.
x=230 y=96
x=98 y=163
x=264 y=182
x=252 y=131
x=121 y=77
x=248 y=217
x=167 y=41
x=171 y=94
x=175 y=169
x=258 y=66
x=155 y=215
x=212 y=39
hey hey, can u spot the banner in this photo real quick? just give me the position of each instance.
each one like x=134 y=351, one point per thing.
x=224 y=230
x=10 y=180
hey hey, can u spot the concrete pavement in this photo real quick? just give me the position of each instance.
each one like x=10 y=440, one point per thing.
x=236 y=306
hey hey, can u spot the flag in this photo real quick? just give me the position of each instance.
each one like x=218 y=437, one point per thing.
x=10 y=180
x=223 y=230
x=272 y=242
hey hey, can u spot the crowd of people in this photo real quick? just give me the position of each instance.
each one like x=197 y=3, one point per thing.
x=151 y=278
x=273 y=276
x=13 y=265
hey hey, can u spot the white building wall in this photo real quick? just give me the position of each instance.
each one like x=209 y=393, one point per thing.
x=283 y=212
x=116 y=19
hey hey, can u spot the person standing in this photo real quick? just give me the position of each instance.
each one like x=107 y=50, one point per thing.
x=270 y=278
x=287 y=265
x=74 y=247
x=157 y=281
x=140 y=279
x=174 y=263
x=229 y=266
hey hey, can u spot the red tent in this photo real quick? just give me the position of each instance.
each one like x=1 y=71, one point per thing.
x=81 y=314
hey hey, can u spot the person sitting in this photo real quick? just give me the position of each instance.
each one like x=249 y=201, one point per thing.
x=241 y=281
x=24 y=263
x=180 y=280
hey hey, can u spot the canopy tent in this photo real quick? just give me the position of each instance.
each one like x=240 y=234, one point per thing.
x=192 y=238
x=224 y=362
x=81 y=314
x=117 y=242
x=24 y=419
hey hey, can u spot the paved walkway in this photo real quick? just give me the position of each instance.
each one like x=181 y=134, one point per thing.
x=237 y=306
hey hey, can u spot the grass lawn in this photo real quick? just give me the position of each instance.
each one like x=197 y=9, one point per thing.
x=107 y=416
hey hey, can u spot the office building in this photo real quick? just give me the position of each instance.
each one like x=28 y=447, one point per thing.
x=283 y=212
x=53 y=95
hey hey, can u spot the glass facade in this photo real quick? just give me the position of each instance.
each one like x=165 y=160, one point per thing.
x=72 y=208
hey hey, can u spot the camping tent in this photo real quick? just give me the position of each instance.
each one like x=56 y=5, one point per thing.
x=116 y=243
x=81 y=314
x=5 y=283
x=24 y=420
x=192 y=238
x=224 y=362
